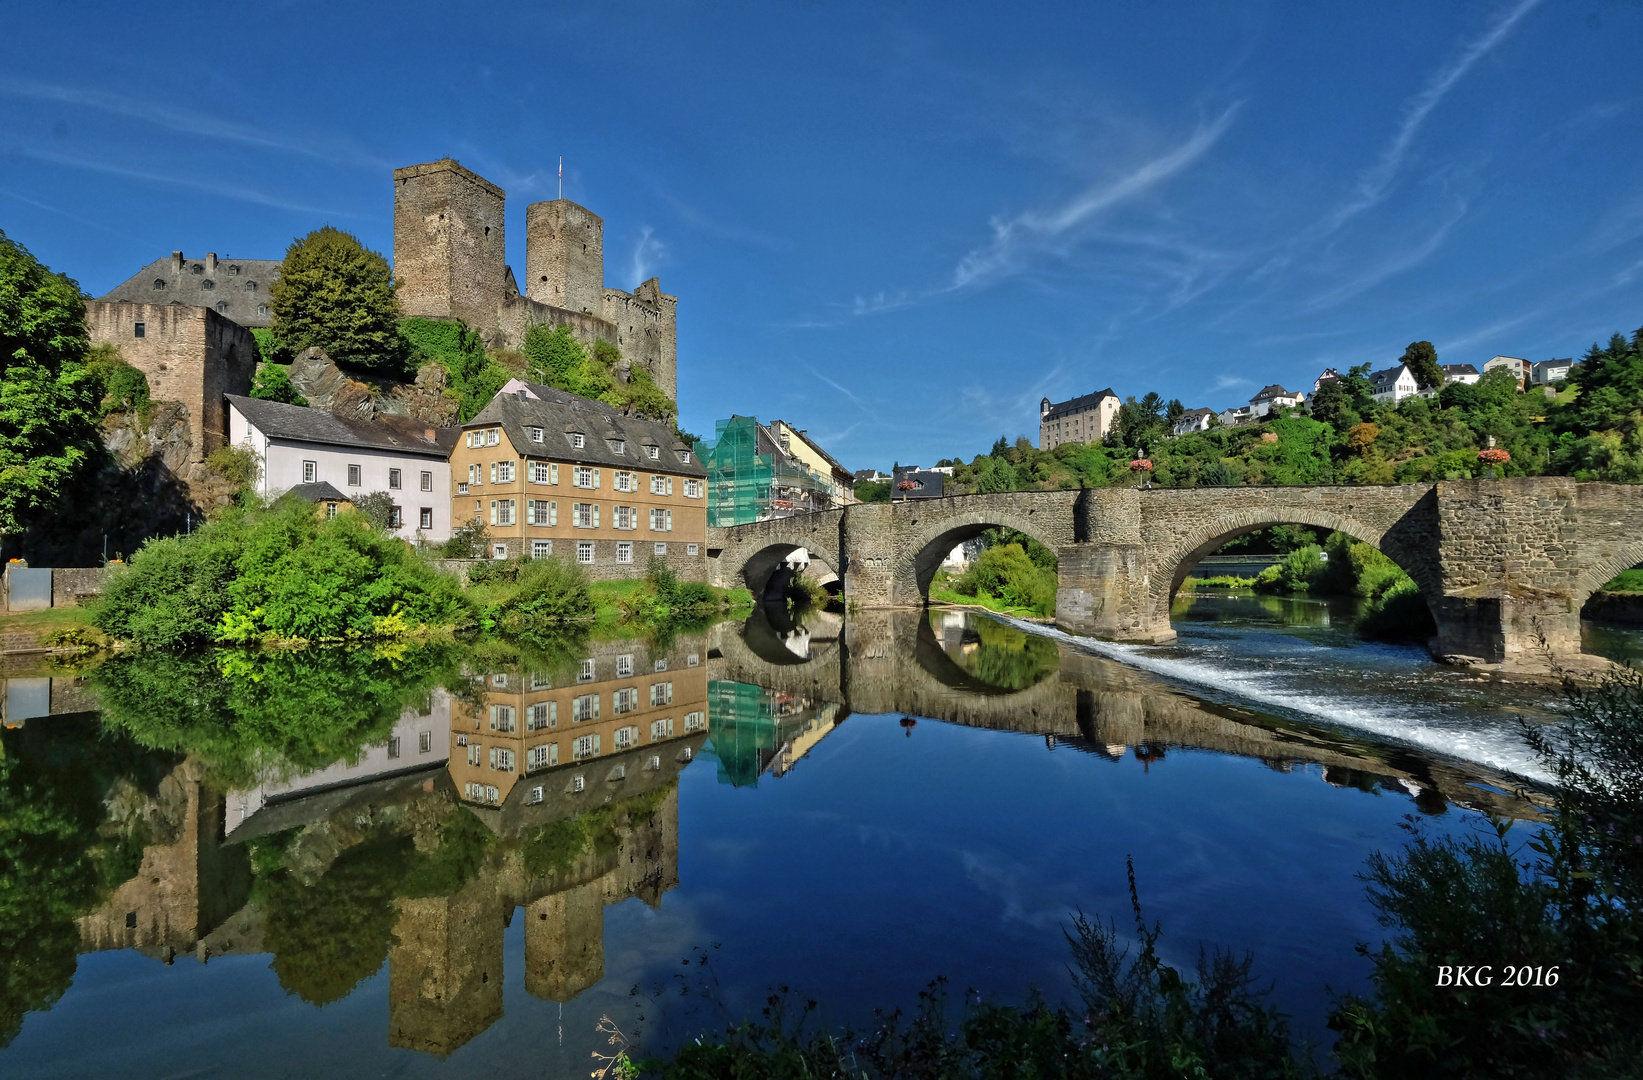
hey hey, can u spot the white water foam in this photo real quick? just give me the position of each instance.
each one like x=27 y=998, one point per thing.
x=1496 y=746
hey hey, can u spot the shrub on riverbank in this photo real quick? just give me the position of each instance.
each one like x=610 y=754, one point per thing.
x=1005 y=573
x=277 y=573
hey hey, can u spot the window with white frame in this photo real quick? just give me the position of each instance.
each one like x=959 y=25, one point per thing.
x=684 y=456
x=583 y=747
x=493 y=437
x=693 y=660
x=661 y=693
x=544 y=714
x=394 y=479
x=396 y=517
x=624 y=700
x=625 y=738
x=536 y=434
x=500 y=680
x=425 y=518
x=618 y=446
x=654 y=763
x=424 y=741
x=624 y=665
x=393 y=746
x=539 y=472
x=691 y=549
x=502 y=511
x=541 y=757
x=540 y=680
x=660 y=664
x=584 y=551
x=502 y=717
x=499 y=551
x=476 y=438
x=693 y=489
x=581 y=476
x=653 y=452
x=541 y=549
x=585 y=516
x=353 y=476
x=536 y=511
x=658 y=485
x=585 y=707
x=661 y=520
x=427 y=480
x=624 y=517
x=330 y=510
x=501 y=759
x=585 y=673
x=624 y=551
x=504 y=472
x=661 y=729
x=577 y=440
x=476 y=753
x=536 y=794
x=625 y=481
x=693 y=721
x=310 y=471
x=659 y=548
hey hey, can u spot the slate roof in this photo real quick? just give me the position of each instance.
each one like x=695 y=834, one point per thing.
x=320 y=492
x=299 y=423
x=1460 y=369
x=235 y=288
x=1270 y=392
x=932 y=484
x=1078 y=404
x=522 y=404
x=1386 y=378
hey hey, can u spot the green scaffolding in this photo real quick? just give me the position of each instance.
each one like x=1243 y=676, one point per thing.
x=744 y=485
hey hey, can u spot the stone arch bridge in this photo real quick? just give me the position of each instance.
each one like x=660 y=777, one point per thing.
x=1504 y=565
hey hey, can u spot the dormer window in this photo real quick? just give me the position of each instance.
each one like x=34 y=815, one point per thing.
x=577 y=440
x=684 y=456
x=536 y=434
x=233 y=271
x=655 y=452
x=250 y=286
x=159 y=283
x=196 y=269
x=619 y=446
x=208 y=284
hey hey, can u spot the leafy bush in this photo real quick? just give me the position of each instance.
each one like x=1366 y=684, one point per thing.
x=470 y=541
x=663 y=600
x=239 y=465
x=474 y=376
x=377 y=506
x=123 y=387
x=1005 y=572
x=549 y=590
x=1398 y=613
x=273 y=383
x=334 y=293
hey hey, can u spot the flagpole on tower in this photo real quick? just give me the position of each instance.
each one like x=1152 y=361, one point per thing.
x=561 y=177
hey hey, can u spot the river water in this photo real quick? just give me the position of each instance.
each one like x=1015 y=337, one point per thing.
x=332 y=866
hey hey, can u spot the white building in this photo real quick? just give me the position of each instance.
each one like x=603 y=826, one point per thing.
x=395 y=454
x=1461 y=373
x=1550 y=371
x=1193 y=420
x=1517 y=365
x=1393 y=384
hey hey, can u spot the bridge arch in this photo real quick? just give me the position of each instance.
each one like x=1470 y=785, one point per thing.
x=930 y=536
x=1170 y=567
x=748 y=555
x=1604 y=570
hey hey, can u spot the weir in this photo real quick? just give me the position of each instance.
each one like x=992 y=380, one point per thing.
x=1504 y=565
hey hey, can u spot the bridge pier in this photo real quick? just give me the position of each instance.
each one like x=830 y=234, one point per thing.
x=1103 y=591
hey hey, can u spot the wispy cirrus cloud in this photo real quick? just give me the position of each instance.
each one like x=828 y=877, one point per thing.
x=648 y=253
x=724 y=230
x=222 y=190
x=188 y=122
x=1388 y=268
x=1375 y=181
x=1016 y=240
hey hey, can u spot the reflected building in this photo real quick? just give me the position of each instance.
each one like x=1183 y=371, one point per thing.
x=758 y=730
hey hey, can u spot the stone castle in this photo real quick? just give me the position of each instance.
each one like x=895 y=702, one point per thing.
x=450 y=263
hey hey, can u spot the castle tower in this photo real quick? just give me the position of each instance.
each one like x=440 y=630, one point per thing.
x=565 y=256
x=449 y=258
x=565 y=942
x=445 y=970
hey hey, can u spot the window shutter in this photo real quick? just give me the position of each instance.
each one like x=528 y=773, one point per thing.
x=493 y=511
x=493 y=472
x=595 y=515
x=596 y=478
x=596 y=744
x=669 y=522
x=553 y=513
x=670 y=485
x=553 y=473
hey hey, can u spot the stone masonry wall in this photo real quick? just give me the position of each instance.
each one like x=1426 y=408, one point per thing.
x=449 y=244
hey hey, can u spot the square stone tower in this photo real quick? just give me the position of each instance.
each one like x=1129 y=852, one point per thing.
x=565 y=256
x=449 y=258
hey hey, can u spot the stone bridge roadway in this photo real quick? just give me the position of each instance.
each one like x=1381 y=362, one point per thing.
x=1504 y=565
x=890 y=662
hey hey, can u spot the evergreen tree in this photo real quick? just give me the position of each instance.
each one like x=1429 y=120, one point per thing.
x=48 y=402
x=336 y=294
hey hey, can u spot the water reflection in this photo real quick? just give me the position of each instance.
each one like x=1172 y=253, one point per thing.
x=342 y=812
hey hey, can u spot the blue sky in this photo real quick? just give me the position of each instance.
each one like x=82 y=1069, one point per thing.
x=900 y=225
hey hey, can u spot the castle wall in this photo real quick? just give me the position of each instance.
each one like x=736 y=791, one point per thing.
x=646 y=331
x=449 y=254
x=565 y=256
x=190 y=355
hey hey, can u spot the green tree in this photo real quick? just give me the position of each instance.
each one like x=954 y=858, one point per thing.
x=48 y=402
x=274 y=384
x=1422 y=359
x=338 y=295
x=1610 y=383
x=555 y=358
